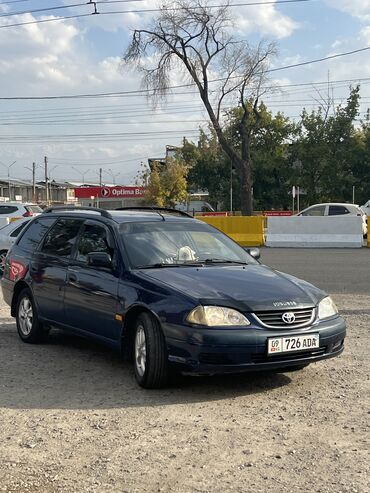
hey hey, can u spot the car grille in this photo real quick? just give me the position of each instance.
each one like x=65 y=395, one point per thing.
x=274 y=318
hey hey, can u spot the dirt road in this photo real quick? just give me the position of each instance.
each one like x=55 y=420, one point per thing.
x=72 y=419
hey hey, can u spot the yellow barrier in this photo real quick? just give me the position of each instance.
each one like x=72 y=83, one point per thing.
x=245 y=230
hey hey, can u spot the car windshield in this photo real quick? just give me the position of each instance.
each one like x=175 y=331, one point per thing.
x=185 y=243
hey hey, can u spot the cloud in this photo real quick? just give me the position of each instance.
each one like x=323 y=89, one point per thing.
x=266 y=20
x=357 y=8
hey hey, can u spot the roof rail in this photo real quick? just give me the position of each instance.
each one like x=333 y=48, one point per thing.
x=154 y=209
x=67 y=208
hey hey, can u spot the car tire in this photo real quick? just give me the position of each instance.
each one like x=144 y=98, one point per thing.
x=150 y=353
x=3 y=254
x=29 y=328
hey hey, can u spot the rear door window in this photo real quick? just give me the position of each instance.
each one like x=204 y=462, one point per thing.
x=33 y=235
x=338 y=210
x=60 y=240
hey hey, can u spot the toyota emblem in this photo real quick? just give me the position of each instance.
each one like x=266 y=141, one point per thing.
x=288 y=317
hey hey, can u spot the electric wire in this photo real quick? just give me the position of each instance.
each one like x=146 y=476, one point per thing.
x=136 y=11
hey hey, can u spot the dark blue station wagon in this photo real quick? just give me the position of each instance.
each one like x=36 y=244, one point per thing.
x=171 y=291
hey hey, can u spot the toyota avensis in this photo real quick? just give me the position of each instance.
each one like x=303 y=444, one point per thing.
x=171 y=291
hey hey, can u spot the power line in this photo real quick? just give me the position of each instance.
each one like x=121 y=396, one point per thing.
x=13 y=1
x=146 y=91
x=62 y=7
x=336 y=84
x=137 y=11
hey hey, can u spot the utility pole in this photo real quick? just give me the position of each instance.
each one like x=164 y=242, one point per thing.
x=33 y=182
x=100 y=185
x=231 y=189
x=46 y=180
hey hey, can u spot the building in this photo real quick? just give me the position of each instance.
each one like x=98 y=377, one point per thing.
x=24 y=191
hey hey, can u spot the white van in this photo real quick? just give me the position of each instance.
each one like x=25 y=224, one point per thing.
x=194 y=206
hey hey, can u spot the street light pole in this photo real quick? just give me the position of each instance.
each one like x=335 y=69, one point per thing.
x=113 y=175
x=82 y=173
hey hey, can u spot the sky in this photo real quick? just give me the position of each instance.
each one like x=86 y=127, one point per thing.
x=83 y=56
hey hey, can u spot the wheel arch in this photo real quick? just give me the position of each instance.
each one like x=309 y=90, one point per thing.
x=18 y=288
x=127 y=334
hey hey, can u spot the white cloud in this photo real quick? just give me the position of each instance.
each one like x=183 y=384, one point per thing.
x=356 y=8
x=266 y=20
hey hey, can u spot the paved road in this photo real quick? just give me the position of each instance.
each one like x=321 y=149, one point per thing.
x=334 y=270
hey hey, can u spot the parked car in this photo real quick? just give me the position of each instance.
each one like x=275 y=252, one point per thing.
x=8 y=235
x=336 y=209
x=18 y=209
x=366 y=208
x=172 y=291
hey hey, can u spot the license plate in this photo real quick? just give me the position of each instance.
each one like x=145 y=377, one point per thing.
x=292 y=343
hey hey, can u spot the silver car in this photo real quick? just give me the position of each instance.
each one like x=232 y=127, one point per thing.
x=8 y=235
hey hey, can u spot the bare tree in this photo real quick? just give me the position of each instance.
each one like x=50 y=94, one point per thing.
x=191 y=36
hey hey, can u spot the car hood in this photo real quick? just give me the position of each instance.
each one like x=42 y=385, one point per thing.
x=250 y=287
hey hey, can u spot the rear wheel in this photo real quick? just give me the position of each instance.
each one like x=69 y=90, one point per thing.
x=150 y=353
x=29 y=328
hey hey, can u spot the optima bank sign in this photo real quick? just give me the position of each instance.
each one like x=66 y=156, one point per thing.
x=118 y=192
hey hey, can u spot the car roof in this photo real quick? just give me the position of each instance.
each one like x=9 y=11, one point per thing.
x=140 y=214
x=333 y=203
x=20 y=204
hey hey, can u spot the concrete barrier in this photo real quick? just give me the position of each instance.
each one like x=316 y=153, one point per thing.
x=321 y=232
x=245 y=230
x=368 y=232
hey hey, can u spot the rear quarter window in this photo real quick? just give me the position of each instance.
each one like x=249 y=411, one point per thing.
x=7 y=209
x=33 y=235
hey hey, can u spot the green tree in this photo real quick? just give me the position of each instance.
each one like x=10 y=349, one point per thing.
x=211 y=169
x=361 y=161
x=165 y=184
x=321 y=155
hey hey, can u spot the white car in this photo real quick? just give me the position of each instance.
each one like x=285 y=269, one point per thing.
x=336 y=209
x=366 y=208
x=8 y=235
x=19 y=209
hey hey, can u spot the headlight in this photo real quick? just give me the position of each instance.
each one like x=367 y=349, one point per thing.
x=327 y=308
x=217 y=316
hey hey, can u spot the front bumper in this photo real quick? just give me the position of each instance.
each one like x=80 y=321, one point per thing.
x=212 y=351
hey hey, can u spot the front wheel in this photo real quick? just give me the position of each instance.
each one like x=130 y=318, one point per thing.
x=150 y=353
x=29 y=328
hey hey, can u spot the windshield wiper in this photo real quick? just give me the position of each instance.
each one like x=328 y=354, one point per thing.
x=160 y=265
x=221 y=261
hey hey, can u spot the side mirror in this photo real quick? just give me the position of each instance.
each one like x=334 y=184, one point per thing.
x=99 y=259
x=253 y=252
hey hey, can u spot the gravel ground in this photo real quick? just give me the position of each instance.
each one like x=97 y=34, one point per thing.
x=72 y=419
